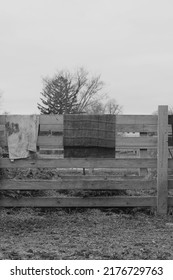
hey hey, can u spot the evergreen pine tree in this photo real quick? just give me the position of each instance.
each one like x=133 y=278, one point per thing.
x=58 y=96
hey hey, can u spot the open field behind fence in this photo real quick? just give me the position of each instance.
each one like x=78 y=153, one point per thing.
x=153 y=135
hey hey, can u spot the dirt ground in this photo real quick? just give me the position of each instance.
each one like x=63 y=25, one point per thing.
x=82 y=233
x=48 y=234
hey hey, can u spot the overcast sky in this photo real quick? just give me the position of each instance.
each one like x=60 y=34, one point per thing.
x=128 y=42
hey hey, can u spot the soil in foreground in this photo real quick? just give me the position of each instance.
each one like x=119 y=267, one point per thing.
x=48 y=234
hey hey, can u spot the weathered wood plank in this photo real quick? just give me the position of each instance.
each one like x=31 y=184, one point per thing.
x=136 y=128
x=74 y=184
x=97 y=177
x=51 y=119
x=120 y=119
x=139 y=128
x=50 y=140
x=78 y=163
x=119 y=201
x=136 y=119
x=52 y=127
x=136 y=142
x=162 y=160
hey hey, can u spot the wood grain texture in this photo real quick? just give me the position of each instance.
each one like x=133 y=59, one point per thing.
x=136 y=128
x=51 y=119
x=78 y=163
x=76 y=184
x=136 y=119
x=52 y=127
x=120 y=119
x=136 y=142
x=162 y=160
x=50 y=141
x=119 y=201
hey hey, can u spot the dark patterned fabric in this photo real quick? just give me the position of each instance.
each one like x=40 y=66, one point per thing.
x=89 y=131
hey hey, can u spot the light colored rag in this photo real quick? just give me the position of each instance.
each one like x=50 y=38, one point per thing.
x=22 y=132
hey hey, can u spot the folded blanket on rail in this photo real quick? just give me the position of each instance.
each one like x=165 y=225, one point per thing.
x=89 y=131
x=22 y=132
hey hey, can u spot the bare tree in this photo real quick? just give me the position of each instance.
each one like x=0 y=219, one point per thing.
x=70 y=93
x=111 y=107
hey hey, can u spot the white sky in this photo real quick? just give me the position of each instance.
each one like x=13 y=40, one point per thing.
x=128 y=42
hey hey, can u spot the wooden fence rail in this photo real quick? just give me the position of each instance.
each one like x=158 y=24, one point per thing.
x=51 y=137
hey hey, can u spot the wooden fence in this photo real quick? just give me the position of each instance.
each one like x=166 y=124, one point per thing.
x=157 y=129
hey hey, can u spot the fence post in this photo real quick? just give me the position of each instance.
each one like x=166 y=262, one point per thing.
x=142 y=154
x=162 y=160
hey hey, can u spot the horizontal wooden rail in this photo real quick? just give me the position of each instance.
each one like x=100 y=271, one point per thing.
x=124 y=123
x=52 y=127
x=120 y=119
x=136 y=119
x=136 y=142
x=119 y=128
x=73 y=184
x=118 y=201
x=121 y=142
x=79 y=163
x=51 y=119
x=80 y=183
x=136 y=128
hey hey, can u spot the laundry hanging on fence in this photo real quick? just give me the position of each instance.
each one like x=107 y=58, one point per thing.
x=89 y=135
x=89 y=130
x=22 y=132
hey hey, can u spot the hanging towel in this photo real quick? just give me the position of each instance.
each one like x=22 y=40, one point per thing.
x=22 y=132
